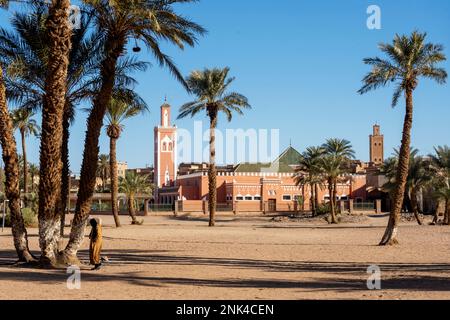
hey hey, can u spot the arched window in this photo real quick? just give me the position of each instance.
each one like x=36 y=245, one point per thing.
x=164 y=147
x=170 y=146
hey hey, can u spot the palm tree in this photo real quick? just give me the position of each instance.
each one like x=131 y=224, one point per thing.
x=210 y=86
x=149 y=21
x=103 y=169
x=12 y=189
x=442 y=193
x=331 y=168
x=117 y=113
x=54 y=102
x=440 y=167
x=132 y=185
x=25 y=52
x=22 y=120
x=10 y=159
x=308 y=173
x=419 y=177
x=58 y=31
x=342 y=150
x=409 y=58
x=34 y=172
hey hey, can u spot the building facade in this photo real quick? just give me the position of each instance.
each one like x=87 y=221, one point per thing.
x=252 y=186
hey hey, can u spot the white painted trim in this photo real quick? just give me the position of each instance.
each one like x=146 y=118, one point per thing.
x=175 y=156
x=159 y=159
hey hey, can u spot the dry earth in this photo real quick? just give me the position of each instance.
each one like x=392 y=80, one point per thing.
x=245 y=258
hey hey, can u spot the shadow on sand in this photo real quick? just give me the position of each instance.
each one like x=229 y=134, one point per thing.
x=342 y=276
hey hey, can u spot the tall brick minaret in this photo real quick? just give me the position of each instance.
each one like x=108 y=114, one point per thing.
x=376 y=146
x=165 y=137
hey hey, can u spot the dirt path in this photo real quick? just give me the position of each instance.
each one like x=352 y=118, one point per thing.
x=245 y=258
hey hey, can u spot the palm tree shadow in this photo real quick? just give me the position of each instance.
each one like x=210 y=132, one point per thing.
x=340 y=276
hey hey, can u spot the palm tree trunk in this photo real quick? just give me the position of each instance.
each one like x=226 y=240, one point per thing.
x=25 y=167
x=54 y=100
x=335 y=194
x=32 y=182
x=104 y=180
x=316 y=196
x=212 y=174
x=313 y=201
x=447 y=213
x=2 y=179
x=12 y=189
x=390 y=235
x=114 y=180
x=415 y=207
x=65 y=189
x=332 y=207
x=131 y=209
x=303 y=198
x=114 y=47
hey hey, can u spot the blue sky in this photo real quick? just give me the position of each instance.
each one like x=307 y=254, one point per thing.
x=300 y=64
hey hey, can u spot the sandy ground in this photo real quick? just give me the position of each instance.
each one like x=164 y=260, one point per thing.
x=245 y=258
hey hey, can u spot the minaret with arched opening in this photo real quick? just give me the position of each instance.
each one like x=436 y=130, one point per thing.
x=165 y=161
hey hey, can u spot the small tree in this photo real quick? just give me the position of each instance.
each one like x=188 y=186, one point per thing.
x=419 y=177
x=103 y=169
x=24 y=122
x=132 y=185
x=308 y=173
x=440 y=167
x=118 y=112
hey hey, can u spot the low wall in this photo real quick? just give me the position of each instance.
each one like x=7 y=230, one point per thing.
x=191 y=206
x=242 y=207
x=287 y=207
x=248 y=206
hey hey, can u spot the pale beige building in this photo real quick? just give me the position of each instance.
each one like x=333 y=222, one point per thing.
x=122 y=168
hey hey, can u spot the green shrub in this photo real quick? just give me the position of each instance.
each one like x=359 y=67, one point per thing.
x=323 y=209
x=29 y=217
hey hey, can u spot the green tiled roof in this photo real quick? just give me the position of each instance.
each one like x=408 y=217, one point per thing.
x=283 y=164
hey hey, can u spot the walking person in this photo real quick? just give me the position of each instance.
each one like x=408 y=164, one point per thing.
x=95 y=246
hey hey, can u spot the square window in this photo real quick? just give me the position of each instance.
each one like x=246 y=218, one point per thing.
x=287 y=197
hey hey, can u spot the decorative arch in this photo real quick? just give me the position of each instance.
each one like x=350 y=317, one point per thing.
x=167 y=144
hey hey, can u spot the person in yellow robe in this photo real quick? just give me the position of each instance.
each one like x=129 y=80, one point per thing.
x=95 y=246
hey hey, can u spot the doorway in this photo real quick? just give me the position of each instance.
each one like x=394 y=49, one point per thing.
x=272 y=205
